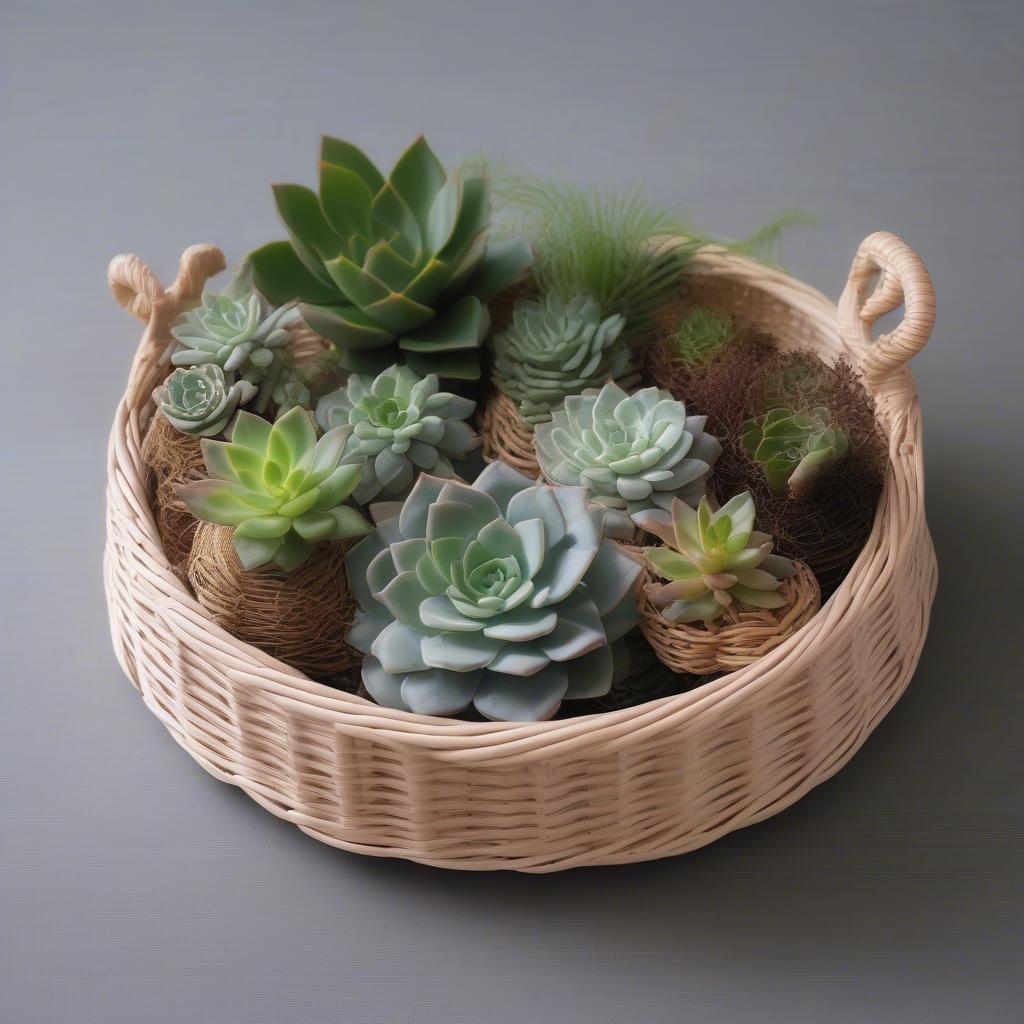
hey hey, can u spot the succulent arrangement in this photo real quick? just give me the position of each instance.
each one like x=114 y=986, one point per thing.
x=279 y=487
x=633 y=452
x=324 y=363
x=712 y=561
x=555 y=348
x=401 y=424
x=794 y=449
x=502 y=594
x=389 y=267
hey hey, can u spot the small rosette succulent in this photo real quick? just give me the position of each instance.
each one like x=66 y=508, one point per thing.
x=502 y=595
x=632 y=452
x=389 y=266
x=200 y=400
x=794 y=449
x=279 y=487
x=554 y=348
x=713 y=560
x=236 y=329
x=401 y=424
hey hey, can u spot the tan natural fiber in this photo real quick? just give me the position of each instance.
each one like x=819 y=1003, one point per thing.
x=173 y=459
x=631 y=784
x=507 y=436
x=738 y=640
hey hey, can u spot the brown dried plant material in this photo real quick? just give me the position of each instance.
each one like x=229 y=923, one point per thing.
x=173 y=459
x=828 y=527
x=300 y=617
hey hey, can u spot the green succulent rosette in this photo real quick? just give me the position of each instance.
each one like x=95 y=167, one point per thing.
x=235 y=329
x=395 y=267
x=794 y=449
x=504 y=595
x=279 y=487
x=401 y=424
x=554 y=348
x=712 y=560
x=200 y=400
x=633 y=452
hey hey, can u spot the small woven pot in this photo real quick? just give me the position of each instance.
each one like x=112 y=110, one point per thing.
x=507 y=436
x=727 y=644
x=173 y=459
x=300 y=617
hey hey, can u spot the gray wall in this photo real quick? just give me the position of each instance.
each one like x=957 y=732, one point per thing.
x=134 y=888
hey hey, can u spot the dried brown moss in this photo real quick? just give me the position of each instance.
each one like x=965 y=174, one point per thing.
x=828 y=527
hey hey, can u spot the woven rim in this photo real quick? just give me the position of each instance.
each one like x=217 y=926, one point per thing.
x=724 y=646
x=535 y=796
x=507 y=436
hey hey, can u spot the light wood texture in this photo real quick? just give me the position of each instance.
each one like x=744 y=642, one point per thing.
x=637 y=784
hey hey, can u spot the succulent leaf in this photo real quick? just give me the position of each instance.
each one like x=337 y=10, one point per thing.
x=200 y=400
x=502 y=594
x=632 y=452
x=712 y=559
x=376 y=263
x=280 y=488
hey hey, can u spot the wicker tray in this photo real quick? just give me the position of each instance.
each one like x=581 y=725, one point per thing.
x=629 y=785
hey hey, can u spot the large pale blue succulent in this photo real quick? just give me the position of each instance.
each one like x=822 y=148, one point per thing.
x=401 y=424
x=633 y=452
x=502 y=594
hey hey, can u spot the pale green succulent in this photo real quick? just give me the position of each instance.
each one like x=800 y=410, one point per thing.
x=554 y=348
x=279 y=487
x=632 y=452
x=712 y=560
x=794 y=449
x=503 y=595
x=391 y=267
x=200 y=400
x=402 y=424
x=235 y=329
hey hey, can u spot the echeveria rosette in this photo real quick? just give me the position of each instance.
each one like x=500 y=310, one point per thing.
x=279 y=487
x=200 y=400
x=794 y=449
x=713 y=560
x=389 y=267
x=502 y=594
x=633 y=452
x=401 y=425
x=235 y=329
x=554 y=348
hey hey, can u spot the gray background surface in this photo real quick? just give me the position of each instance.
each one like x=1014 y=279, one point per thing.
x=135 y=888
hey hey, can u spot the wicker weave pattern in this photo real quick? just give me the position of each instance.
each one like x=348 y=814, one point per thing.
x=630 y=785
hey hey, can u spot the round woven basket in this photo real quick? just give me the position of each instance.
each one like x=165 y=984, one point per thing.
x=507 y=436
x=629 y=785
x=729 y=644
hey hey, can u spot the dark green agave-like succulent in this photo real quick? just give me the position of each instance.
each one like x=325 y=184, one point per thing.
x=394 y=269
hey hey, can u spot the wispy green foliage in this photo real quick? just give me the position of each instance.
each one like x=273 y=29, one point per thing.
x=620 y=248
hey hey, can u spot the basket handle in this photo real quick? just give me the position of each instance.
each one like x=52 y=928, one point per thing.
x=138 y=290
x=904 y=281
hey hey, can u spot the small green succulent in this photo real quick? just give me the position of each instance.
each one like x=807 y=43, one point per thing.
x=391 y=266
x=235 y=329
x=794 y=449
x=555 y=348
x=701 y=335
x=712 y=560
x=200 y=400
x=633 y=452
x=502 y=594
x=279 y=487
x=401 y=424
